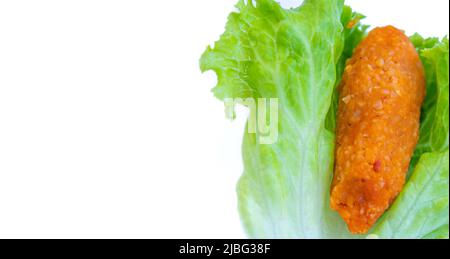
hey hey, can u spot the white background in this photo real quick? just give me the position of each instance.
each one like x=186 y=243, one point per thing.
x=109 y=130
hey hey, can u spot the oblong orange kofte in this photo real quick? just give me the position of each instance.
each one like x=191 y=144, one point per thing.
x=381 y=94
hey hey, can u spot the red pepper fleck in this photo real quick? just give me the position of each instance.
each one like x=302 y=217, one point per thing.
x=353 y=23
x=377 y=166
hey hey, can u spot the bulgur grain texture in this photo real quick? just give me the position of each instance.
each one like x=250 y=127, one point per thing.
x=382 y=91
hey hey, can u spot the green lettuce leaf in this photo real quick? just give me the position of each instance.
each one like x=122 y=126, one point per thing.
x=421 y=210
x=292 y=55
x=434 y=130
x=297 y=56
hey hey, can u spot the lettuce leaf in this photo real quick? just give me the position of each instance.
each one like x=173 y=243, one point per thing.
x=434 y=131
x=297 y=56
x=292 y=55
x=421 y=210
